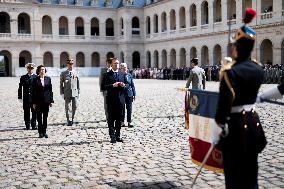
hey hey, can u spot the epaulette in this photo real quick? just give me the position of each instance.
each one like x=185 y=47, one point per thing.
x=223 y=73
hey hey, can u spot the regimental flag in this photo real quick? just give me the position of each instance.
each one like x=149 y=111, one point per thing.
x=200 y=109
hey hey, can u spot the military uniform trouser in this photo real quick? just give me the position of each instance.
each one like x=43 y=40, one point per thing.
x=27 y=112
x=70 y=107
x=42 y=114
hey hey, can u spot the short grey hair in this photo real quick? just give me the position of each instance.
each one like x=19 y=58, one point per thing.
x=123 y=64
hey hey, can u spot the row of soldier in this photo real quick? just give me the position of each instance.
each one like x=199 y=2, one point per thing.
x=36 y=94
x=272 y=74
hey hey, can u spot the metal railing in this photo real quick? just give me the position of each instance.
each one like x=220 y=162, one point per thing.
x=268 y=15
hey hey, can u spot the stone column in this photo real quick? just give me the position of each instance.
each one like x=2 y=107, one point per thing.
x=56 y=59
x=210 y=15
x=102 y=29
x=239 y=12
x=224 y=12
x=71 y=27
x=87 y=28
x=88 y=59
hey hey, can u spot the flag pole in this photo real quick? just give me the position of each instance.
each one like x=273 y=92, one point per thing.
x=203 y=163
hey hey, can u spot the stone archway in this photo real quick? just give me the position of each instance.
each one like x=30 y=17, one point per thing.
x=5 y=63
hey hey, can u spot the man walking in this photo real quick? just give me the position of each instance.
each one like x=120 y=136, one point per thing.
x=114 y=83
x=196 y=76
x=25 y=95
x=70 y=90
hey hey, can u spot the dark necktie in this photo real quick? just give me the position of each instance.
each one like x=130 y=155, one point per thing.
x=115 y=76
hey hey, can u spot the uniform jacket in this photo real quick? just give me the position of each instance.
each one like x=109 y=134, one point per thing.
x=25 y=88
x=42 y=95
x=197 y=77
x=69 y=84
x=245 y=78
x=130 y=88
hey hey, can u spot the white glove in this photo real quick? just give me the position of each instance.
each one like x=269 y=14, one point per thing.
x=271 y=93
x=258 y=98
x=62 y=96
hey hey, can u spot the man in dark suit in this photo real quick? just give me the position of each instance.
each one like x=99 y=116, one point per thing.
x=102 y=74
x=25 y=96
x=114 y=83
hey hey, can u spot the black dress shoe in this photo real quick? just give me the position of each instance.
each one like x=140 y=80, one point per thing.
x=130 y=126
x=69 y=123
x=119 y=140
x=45 y=135
x=27 y=128
x=40 y=136
x=113 y=141
x=34 y=128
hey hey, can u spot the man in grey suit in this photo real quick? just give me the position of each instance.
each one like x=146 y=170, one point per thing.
x=70 y=90
x=196 y=76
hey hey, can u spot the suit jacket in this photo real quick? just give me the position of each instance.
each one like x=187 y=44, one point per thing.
x=197 y=77
x=103 y=71
x=25 y=88
x=69 y=84
x=130 y=88
x=42 y=95
x=115 y=98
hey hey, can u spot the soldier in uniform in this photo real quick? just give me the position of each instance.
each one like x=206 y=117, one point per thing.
x=242 y=138
x=70 y=90
x=196 y=76
x=25 y=95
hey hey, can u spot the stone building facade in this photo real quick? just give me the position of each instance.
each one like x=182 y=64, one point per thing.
x=142 y=33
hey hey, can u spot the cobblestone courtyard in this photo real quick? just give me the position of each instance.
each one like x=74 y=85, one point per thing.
x=155 y=153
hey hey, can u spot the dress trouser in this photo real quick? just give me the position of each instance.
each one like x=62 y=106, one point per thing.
x=70 y=107
x=42 y=114
x=27 y=112
x=128 y=104
x=114 y=120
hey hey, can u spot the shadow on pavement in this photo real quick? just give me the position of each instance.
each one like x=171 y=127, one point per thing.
x=143 y=185
x=10 y=139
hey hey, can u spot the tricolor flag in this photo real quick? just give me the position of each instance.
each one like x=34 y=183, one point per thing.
x=200 y=109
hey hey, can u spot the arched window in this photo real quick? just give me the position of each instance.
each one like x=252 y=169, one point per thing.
x=109 y=55
x=217 y=55
x=24 y=23
x=164 y=21
x=95 y=27
x=204 y=13
x=156 y=59
x=182 y=54
x=217 y=11
x=80 y=59
x=182 y=22
x=231 y=10
x=164 y=58
x=173 y=19
x=148 y=59
x=95 y=59
x=24 y=58
x=79 y=26
x=135 y=26
x=155 y=23
x=266 y=52
x=5 y=23
x=46 y=25
x=193 y=21
x=109 y=27
x=63 y=26
x=148 y=25
x=204 y=56
x=121 y=26
x=48 y=59
x=173 y=58
x=136 y=59
x=64 y=56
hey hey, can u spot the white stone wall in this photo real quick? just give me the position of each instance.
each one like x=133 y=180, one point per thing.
x=269 y=26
